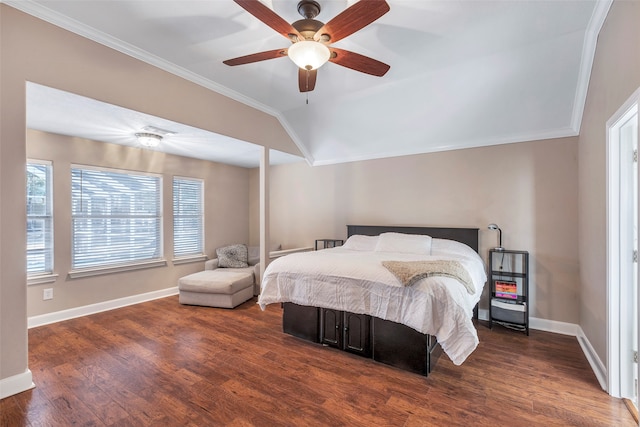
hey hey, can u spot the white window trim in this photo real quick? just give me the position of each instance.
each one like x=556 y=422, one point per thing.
x=98 y=271
x=189 y=259
x=41 y=279
x=116 y=170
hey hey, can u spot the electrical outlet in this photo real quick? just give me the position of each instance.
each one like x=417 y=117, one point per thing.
x=47 y=294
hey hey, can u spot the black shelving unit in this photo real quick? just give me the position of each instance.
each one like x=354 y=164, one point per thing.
x=328 y=243
x=509 y=281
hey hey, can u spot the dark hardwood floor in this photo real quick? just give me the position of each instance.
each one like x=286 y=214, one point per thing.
x=160 y=363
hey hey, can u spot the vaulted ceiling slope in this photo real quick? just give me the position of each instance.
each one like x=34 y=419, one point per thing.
x=463 y=73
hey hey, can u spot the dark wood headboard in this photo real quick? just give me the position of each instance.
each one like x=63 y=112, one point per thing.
x=468 y=236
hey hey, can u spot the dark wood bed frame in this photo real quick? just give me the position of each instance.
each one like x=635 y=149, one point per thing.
x=384 y=341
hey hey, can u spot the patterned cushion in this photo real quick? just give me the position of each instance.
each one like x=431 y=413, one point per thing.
x=233 y=256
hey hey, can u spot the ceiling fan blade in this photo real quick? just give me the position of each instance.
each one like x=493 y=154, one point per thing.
x=307 y=79
x=352 y=19
x=269 y=17
x=358 y=62
x=255 y=57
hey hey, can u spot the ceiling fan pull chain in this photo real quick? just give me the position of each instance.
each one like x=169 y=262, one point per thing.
x=307 y=91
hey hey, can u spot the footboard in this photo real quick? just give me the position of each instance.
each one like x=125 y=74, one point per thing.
x=384 y=341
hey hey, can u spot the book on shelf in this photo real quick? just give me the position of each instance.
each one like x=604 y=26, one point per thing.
x=506 y=289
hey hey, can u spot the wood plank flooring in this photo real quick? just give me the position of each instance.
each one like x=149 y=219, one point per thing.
x=161 y=363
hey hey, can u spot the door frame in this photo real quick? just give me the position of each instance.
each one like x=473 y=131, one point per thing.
x=615 y=328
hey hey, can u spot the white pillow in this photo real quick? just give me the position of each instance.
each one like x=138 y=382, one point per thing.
x=358 y=242
x=451 y=247
x=404 y=243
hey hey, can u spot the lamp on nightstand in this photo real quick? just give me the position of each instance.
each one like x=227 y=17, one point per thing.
x=495 y=227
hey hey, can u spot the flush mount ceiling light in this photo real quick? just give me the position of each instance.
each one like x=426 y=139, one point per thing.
x=148 y=139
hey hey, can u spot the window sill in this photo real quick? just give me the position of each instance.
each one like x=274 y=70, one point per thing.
x=41 y=279
x=283 y=252
x=189 y=259
x=98 y=271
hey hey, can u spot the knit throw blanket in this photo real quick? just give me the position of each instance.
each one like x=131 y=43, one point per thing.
x=409 y=272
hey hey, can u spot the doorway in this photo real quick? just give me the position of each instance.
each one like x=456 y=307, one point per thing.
x=622 y=251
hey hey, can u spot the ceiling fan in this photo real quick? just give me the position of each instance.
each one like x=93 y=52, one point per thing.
x=312 y=39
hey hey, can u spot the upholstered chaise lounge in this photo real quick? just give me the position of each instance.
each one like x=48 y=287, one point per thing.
x=216 y=288
x=228 y=280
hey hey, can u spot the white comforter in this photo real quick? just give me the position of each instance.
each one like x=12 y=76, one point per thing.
x=356 y=281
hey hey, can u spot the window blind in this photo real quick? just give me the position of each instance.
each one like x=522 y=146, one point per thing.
x=188 y=217
x=116 y=218
x=39 y=218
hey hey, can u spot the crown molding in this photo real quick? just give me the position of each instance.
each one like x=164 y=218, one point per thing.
x=39 y=11
x=458 y=145
x=589 y=45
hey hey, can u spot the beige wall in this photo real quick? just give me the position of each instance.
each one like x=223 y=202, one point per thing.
x=33 y=50
x=226 y=216
x=254 y=207
x=614 y=77
x=528 y=189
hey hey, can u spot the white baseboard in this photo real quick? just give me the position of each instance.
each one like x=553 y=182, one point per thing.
x=574 y=330
x=16 y=384
x=596 y=364
x=554 y=326
x=58 y=316
x=567 y=329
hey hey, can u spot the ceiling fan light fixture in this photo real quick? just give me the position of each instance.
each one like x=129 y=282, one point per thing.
x=148 y=139
x=309 y=54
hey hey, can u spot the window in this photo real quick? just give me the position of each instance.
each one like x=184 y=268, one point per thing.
x=39 y=218
x=116 y=218
x=188 y=217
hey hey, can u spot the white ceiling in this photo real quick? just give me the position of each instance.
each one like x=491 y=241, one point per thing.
x=65 y=113
x=464 y=73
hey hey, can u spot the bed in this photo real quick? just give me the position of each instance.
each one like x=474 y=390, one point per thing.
x=358 y=298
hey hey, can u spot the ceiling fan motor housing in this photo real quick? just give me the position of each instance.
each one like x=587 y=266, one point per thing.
x=309 y=9
x=307 y=27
